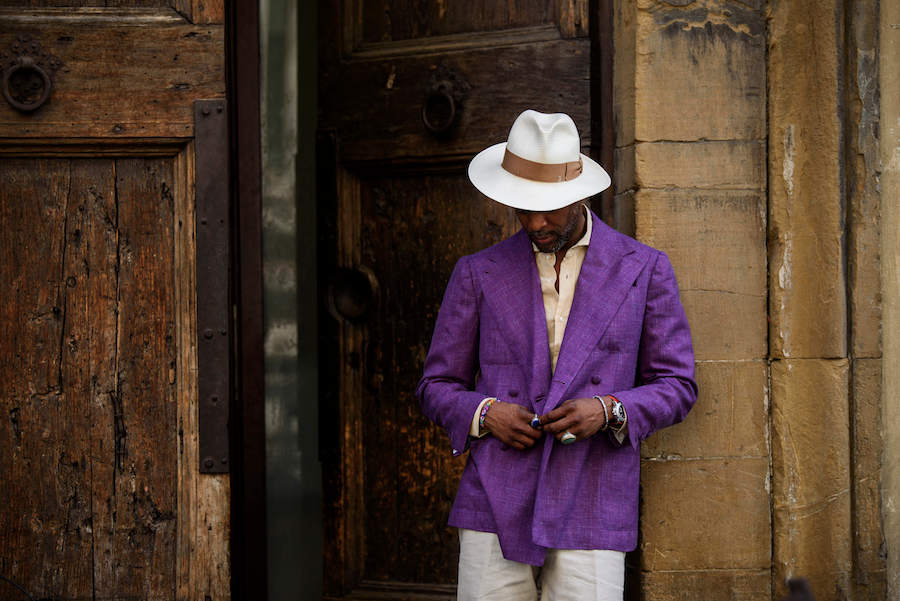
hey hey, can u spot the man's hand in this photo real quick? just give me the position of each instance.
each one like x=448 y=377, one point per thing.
x=582 y=417
x=511 y=423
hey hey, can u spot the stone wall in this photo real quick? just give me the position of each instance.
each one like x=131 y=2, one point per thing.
x=747 y=149
x=889 y=76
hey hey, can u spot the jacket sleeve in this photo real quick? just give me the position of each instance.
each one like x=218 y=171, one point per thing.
x=446 y=388
x=665 y=389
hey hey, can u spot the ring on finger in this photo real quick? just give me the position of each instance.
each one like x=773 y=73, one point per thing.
x=567 y=438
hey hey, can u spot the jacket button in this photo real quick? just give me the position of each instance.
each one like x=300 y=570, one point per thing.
x=596 y=379
x=513 y=393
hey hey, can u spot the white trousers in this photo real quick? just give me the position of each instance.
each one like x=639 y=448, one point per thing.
x=567 y=574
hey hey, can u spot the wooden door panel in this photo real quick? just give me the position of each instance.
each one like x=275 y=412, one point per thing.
x=90 y=467
x=125 y=72
x=102 y=496
x=386 y=123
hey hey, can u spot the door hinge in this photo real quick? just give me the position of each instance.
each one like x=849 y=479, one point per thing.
x=213 y=278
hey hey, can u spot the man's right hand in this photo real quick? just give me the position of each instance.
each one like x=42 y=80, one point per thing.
x=511 y=423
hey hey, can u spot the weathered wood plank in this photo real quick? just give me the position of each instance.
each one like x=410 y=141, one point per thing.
x=106 y=63
x=45 y=529
x=408 y=19
x=388 y=125
x=573 y=18
x=141 y=494
x=96 y=3
x=94 y=212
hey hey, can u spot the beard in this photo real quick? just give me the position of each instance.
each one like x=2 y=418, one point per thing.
x=553 y=241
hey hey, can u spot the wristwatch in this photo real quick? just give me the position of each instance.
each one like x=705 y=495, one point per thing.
x=615 y=412
x=617 y=415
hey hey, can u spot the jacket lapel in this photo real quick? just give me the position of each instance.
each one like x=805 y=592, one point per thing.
x=513 y=290
x=607 y=274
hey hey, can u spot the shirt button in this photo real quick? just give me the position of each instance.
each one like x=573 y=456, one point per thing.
x=596 y=379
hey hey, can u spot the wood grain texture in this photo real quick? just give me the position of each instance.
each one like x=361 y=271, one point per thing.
x=119 y=79
x=386 y=124
x=86 y=3
x=395 y=20
x=45 y=529
x=100 y=433
x=573 y=18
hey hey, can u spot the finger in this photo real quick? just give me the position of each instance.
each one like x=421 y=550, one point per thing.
x=549 y=418
x=522 y=443
x=558 y=413
x=528 y=433
x=566 y=422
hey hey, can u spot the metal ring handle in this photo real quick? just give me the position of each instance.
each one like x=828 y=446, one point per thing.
x=352 y=294
x=26 y=63
x=439 y=110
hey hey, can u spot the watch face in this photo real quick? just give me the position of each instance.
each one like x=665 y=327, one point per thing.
x=618 y=412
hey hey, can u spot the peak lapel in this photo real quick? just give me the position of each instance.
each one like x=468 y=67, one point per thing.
x=608 y=272
x=513 y=290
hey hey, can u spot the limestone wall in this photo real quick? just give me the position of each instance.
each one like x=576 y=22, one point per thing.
x=890 y=244
x=747 y=149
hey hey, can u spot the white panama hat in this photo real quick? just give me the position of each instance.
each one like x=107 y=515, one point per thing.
x=540 y=167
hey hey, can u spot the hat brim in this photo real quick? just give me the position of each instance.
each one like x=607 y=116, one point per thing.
x=487 y=174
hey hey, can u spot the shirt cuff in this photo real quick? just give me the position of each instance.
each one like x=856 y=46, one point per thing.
x=474 y=429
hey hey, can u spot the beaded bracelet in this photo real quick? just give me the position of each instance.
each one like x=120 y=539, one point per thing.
x=484 y=410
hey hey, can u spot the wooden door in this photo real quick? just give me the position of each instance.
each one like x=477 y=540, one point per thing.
x=101 y=495
x=409 y=92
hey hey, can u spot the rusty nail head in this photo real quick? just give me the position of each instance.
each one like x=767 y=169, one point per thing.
x=208 y=463
x=224 y=460
x=203 y=221
x=205 y=112
x=208 y=333
x=214 y=398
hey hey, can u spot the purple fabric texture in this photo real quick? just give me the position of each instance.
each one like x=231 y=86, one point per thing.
x=627 y=335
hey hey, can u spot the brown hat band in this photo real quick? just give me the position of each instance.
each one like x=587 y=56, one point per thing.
x=541 y=172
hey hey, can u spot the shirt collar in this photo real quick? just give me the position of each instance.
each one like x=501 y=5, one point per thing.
x=585 y=240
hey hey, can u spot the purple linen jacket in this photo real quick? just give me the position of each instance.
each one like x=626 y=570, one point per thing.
x=627 y=335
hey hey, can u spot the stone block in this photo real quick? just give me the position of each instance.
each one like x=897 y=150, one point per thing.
x=700 y=71
x=814 y=542
x=688 y=514
x=623 y=172
x=865 y=278
x=711 y=585
x=811 y=473
x=727 y=165
x=623 y=212
x=863 y=167
x=624 y=40
x=716 y=241
x=730 y=418
x=806 y=217
x=868 y=446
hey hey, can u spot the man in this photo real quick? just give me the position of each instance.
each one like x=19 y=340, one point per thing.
x=554 y=354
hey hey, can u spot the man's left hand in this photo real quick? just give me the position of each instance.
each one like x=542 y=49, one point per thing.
x=582 y=417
